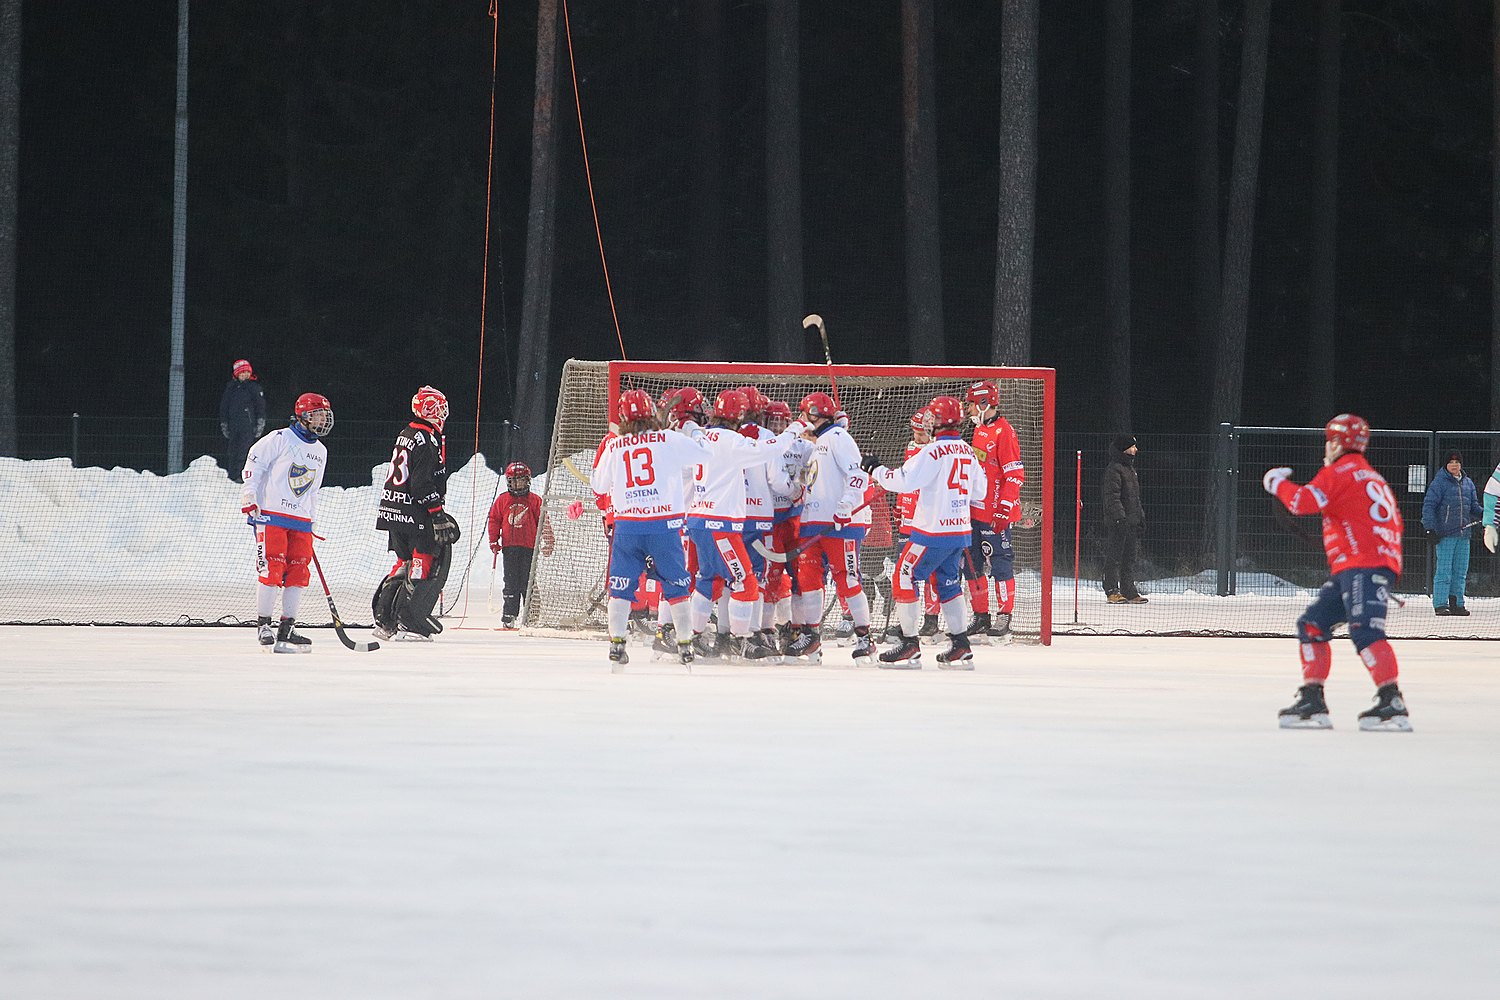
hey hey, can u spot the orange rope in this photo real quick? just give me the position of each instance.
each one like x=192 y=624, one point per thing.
x=588 y=174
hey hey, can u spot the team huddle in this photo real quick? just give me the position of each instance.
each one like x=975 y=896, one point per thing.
x=744 y=514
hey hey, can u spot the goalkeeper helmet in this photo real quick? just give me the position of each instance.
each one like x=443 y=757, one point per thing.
x=731 y=404
x=819 y=404
x=314 y=412
x=983 y=394
x=517 y=477
x=430 y=405
x=1349 y=432
x=946 y=411
x=635 y=404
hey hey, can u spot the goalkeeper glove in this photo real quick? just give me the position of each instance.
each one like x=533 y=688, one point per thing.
x=444 y=528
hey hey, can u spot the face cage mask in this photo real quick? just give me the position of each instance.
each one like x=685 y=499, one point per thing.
x=319 y=422
x=519 y=484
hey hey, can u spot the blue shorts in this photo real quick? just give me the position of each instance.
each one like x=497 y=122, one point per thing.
x=627 y=561
x=1356 y=596
x=757 y=561
x=918 y=561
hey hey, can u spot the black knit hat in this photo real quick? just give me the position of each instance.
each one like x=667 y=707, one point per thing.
x=1454 y=455
x=1124 y=442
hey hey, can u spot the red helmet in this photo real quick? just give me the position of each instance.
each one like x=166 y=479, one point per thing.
x=731 y=404
x=683 y=404
x=431 y=406
x=985 y=394
x=819 y=404
x=635 y=404
x=755 y=398
x=922 y=420
x=776 y=408
x=1350 y=432
x=517 y=477
x=314 y=412
x=946 y=411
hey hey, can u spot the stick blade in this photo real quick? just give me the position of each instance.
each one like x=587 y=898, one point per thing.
x=766 y=551
x=811 y=320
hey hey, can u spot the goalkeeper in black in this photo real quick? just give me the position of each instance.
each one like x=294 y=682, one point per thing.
x=421 y=533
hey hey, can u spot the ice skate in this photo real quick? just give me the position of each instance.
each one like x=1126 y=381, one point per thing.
x=843 y=632
x=685 y=653
x=732 y=648
x=980 y=626
x=706 y=647
x=807 y=645
x=929 y=630
x=617 y=655
x=864 y=649
x=664 y=646
x=1388 y=714
x=406 y=635
x=1001 y=628
x=959 y=656
x=508 y=623
x=759 y=647
x=265 y=632
x=892 y=634
x=382 y=633
x=288 y=641
x=905 y=655
x=1309 y=711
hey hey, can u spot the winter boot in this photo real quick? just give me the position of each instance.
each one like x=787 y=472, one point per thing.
x=864 y=648
x=1388 y=714
x=265 y=632
x=288 y=641
x=959 y=656
x=807 y=644
x=1454 y=608
x=1309 y=712
x=905 y=655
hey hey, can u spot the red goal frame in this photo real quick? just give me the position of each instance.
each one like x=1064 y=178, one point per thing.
x=970 y=373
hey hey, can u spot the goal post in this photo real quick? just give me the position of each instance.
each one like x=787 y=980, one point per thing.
x=567 y=591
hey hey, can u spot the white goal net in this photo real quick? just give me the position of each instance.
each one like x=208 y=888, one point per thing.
x=568 y=592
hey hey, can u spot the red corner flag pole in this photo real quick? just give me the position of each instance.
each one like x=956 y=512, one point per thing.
x=1077 y=530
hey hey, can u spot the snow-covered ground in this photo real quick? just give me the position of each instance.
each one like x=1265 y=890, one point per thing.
x=182 y=816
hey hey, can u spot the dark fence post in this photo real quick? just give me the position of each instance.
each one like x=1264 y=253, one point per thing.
x=75 y=440
x=1224 y=477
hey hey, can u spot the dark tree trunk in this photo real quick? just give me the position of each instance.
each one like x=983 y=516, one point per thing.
x=1117 y=209
x=1206 y=257
x=785 y=305
x=924 y=268
x=1015 y=232
x=1322 y=362
x=10 y=150
x=1234 y=307
x=706 y=260
x=533 y=372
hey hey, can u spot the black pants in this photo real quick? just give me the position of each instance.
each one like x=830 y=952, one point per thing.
x=239 y=447
x=1119 y=559
x=400 y=600
x=517 y=562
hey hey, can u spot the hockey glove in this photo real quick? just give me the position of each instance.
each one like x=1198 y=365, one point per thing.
x=494 y=546
x=842 y=516
x=1006 y=510
x=1491 y=537
x=444 y=528
x=224 y=430
x=1275 y=477
x=870 y=464
x=252 y=512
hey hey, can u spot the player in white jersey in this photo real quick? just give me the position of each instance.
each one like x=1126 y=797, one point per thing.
x=784 y=524
x=948 y=480
x=716 y=524
x=834 y=489
x=282 y=475
x=1491 y=495
x=641 y=471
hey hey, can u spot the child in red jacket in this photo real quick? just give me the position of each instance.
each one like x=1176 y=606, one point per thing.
x=515 y=521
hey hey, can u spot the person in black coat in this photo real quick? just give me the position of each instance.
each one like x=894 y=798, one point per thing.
x=242 y=416
x=1124 y=520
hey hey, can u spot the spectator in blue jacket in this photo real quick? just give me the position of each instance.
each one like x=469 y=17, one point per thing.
x=1449 y=510
x=242 y=416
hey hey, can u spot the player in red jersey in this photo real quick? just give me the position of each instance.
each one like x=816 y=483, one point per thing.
x=991 y=554
x=1362 y=538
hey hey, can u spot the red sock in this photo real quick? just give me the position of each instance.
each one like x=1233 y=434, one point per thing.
x=1005 y=596
x=1380 y=659
x=979 y=595
x=1317 y=661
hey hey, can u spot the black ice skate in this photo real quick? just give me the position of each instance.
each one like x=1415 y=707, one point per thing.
x=1309 y=712
x=864 y=648
x=958 y=656
x=1388 y=714
x=844 y=631
x=685 y=652
x=265 y=632
x=905 y=655
x=981 y=625
x=665 y=643
x=508 y=623
x=706 y=647
x=807 y=644
x=892 y=634
x=759 y=647
x=288 y=641
x=1001 y=628
x=929 y=627
x=617 y=655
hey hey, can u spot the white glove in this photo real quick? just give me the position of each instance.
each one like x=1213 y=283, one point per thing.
x=1275 y=477
x=1491 y=537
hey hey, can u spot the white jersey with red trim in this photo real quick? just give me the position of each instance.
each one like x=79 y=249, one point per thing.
x=642 y=474
x=834 y=480
x=282 y=476
x=719 y=498
x=948 y=480
x=760 y=498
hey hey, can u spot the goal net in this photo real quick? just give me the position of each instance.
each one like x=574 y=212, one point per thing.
x=569 y=593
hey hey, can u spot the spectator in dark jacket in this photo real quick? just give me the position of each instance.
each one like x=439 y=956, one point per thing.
x=1124 y=520
x=1450 y=510
x=242 y=416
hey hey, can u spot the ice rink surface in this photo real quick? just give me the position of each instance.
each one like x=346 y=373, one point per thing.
x=182 y=816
